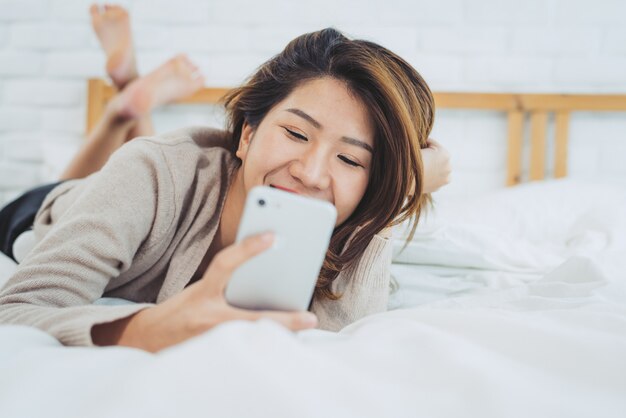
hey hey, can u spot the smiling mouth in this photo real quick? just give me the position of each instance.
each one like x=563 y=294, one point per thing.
x=283 y=188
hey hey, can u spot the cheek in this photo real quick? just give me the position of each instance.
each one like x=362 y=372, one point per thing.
x=275 y=145
x=348 y=195
x=262 y=154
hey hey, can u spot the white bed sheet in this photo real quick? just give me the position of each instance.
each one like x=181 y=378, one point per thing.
x=520 y=352
x=512 y=340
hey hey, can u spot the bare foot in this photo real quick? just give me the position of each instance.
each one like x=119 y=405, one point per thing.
x=112 y=26
x=175 y=79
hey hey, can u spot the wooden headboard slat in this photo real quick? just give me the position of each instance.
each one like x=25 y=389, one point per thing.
x=97 y=97
x=573 y=102
x=538 y=127
x=561 y=132
x=207 y=95
x=514 y=163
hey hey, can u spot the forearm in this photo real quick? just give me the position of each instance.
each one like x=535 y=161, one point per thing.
x=70 y=325
x=123 y=332
x=437 y=169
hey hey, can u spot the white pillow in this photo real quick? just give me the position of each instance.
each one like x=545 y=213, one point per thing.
x=528 y=228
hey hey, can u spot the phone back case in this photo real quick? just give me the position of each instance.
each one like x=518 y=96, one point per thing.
x=284 y=276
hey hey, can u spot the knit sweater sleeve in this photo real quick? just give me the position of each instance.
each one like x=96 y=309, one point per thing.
x=364 y=288
x=93 y=241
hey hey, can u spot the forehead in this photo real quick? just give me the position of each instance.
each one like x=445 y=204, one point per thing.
x=329 y=102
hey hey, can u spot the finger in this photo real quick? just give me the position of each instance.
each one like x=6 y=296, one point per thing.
x=230 y=258
x=294 y=321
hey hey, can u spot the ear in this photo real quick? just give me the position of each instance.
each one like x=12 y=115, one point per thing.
x=244 y=141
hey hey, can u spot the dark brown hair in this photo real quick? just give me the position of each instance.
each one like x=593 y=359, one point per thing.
x=401 y=107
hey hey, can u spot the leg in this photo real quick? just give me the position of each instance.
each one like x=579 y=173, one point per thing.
x=143 y=127
x=17 y=217
x=174 y=79
x=108 y=135
x=112 y=27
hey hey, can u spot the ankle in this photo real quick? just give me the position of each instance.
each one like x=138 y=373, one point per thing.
x=128 y=106
x=118 y=116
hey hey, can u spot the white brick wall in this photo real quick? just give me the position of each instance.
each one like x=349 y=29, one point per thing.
x=20 y=64
x=47 y=51
x=4 y=36
x=24 y=10
x=17 y=118
x=50 y=35
x=44 y=92
x=76 y=65
x=22 y=147
x=590 y=12
x=615 y=40
x=493 y=12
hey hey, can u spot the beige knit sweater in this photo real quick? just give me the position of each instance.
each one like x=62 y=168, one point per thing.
x=138 y=230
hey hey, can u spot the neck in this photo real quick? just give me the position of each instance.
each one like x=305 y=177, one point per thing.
x=233 y=209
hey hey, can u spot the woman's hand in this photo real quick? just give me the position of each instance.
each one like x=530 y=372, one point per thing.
x=437 y=168
x=436 y=160
x=200 y=306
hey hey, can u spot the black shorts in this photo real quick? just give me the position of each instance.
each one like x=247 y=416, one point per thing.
x=19 y=215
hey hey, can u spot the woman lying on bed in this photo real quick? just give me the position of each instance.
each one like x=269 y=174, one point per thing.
x=332 y=118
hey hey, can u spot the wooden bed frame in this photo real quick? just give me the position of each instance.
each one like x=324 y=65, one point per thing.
x=517 y=106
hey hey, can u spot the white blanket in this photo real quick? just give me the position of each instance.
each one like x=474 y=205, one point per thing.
x=506 y=340
x=510 y=354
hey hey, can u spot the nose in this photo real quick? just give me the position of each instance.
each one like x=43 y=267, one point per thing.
x=312 y=169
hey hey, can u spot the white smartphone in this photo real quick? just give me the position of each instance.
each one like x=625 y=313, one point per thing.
x=282 y=277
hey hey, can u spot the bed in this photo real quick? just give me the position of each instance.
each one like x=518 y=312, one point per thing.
x=508 y=304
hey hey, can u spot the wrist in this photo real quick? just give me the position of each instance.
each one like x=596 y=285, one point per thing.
x=122 y=332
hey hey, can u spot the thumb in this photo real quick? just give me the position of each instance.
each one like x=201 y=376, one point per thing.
x=232 y=257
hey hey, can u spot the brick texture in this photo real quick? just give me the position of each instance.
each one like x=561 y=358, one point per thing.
x=43 y=35
x=48 y=50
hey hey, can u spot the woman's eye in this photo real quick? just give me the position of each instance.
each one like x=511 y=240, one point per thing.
x=295 y=135
x=349 y=161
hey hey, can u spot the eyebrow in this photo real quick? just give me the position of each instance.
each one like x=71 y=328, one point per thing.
x=317 y=125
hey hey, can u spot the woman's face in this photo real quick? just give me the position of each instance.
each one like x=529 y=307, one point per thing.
x=317 y=142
